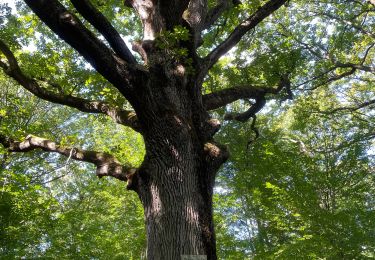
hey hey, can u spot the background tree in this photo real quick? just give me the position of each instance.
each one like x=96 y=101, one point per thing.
x=302 y=191
x=173 y=83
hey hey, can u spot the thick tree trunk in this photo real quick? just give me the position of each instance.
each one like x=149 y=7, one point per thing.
x=175 y=182
x=178 y=214
x=176 y=191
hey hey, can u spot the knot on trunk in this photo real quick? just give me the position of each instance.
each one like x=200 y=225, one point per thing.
x=210 y=127
x=216 y=154
x=132 y=177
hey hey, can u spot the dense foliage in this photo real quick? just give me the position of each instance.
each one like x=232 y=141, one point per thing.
x=50 y=206
x=303 y=189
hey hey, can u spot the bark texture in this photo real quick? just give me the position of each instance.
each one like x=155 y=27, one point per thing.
x=176 y=179
x=175 y=200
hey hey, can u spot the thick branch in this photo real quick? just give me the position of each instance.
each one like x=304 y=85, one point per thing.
x=106 y=164
x=226 y=96
x=70 y=29
x=172 y=11
x=120 y=116
x=100 y=22
x=251 y=112
x=250 y=23
x=149 y=13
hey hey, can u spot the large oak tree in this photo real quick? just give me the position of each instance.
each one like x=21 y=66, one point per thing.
x=165 y=87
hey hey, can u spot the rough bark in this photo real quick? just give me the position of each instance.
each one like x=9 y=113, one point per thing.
x=175 y=182
x=175 y=185
x=172 y=192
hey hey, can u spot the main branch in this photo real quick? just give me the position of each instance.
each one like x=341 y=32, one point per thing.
x=66 y=25
x=221 y=98
x=106 y=164
x=13 y=70
x=226 y=96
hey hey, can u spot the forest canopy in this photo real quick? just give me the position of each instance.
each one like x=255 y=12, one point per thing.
x=294 y=95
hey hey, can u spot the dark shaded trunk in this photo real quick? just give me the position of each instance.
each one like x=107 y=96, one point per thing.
x=175 y=182
x=177 y=198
